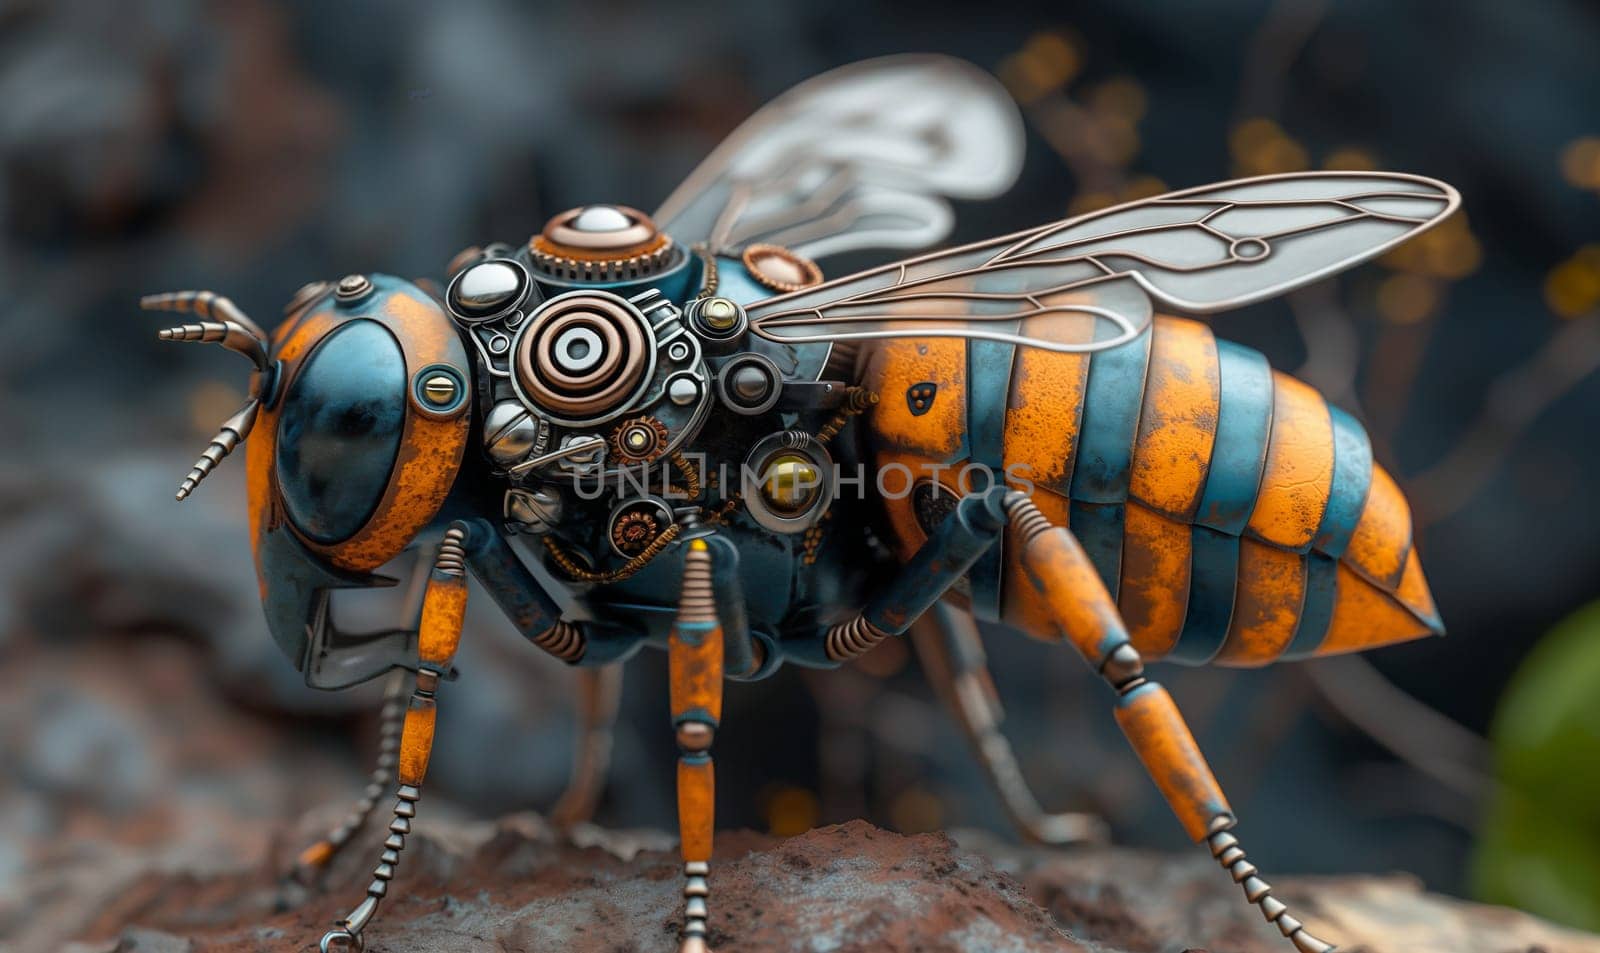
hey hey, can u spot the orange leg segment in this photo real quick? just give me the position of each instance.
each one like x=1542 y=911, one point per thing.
x=1083 y=613
x=443 y=610
x=695 y=660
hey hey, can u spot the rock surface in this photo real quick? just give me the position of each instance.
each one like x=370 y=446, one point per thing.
x=516 y=885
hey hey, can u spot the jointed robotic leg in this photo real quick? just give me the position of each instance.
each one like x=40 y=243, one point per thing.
x=695 y=662
x=599 y=694
x=948 y=644
x=1085 y=615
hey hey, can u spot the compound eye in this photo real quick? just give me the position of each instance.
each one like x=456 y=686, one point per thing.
x=339 y=431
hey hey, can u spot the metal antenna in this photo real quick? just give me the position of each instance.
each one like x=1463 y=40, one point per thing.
x=230 y=327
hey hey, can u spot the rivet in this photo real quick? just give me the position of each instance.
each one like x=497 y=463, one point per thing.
x=353 y=288
x=720 y=313
x=683 y=391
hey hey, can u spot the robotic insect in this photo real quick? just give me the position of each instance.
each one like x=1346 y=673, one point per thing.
x=703 y=445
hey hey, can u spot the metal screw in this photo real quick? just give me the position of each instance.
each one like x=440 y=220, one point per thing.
x=440 y=389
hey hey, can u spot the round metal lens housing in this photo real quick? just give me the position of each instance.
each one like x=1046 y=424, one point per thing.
x=749 y=384
x=788 y=482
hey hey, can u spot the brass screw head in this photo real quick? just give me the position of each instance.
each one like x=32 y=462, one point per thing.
x=439 y=389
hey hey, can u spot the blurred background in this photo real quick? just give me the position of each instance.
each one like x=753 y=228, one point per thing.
x=249 y=147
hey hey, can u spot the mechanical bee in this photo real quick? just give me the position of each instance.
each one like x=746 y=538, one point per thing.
x=678 y=427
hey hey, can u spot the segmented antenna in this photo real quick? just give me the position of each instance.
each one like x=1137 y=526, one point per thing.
x=230 y=327
x=207 y=304
x=233 y=432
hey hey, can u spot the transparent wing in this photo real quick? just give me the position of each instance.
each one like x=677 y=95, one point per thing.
x=1199 y=251
x=861 y=157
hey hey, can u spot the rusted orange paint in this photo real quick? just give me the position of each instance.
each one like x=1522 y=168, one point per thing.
x=1069 y=600
x=416 y=740
x=1154 y=595
x=697 y=796
x=1365 y=617
x=1045 y=405
x=695 y=671
x=1021 y=605
x=1266 y=606
x=261 y=499
x=1178 y=421
x=1298 y=475
x=894 y=367
x=896 y=472
x=1382 y=539
x=1414 y=593
x=444 y=606
x=1165 y=746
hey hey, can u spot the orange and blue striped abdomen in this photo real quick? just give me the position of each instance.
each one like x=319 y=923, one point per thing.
x=1236 y=517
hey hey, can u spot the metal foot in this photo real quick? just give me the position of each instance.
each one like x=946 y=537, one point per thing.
x=443 y=608
x=314 y=860
x=1086 y=616
x=1225 y=848
x=695 y=893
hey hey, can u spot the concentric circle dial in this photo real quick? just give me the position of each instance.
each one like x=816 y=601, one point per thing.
x=583 y=357
x=600 y=243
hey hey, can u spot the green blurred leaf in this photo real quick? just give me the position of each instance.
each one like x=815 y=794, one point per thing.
x=1539 y=848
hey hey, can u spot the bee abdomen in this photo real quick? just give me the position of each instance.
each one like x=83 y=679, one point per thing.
x=1235 y=515
x=1252 y=523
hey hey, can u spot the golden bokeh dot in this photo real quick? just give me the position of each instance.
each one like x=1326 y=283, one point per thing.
x=1407 y=298
x=210 y=403
x=1120 y=96
x=1580 y=162
x=1350 y=158
x=916 y=811
x=1572 y=288
x=1046 y=63
x=1448 y=251
x=1117 y=140
x=1259 y=146
x=791 y=811
x=1086 y=202
x=1143 y=187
